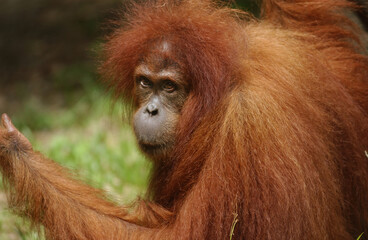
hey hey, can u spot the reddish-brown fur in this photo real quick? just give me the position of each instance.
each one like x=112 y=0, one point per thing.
x=273 y=133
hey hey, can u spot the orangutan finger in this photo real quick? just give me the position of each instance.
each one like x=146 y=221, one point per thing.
x=7 y=123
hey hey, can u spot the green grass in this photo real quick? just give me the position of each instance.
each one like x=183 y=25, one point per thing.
x=360 y=236
x=85 y=134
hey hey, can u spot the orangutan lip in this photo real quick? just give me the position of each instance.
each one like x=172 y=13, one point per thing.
x=151 y=147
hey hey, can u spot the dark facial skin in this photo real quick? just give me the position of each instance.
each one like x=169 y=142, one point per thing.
x=161 y=91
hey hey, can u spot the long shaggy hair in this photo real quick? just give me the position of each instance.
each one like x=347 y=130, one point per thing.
x=271 y=141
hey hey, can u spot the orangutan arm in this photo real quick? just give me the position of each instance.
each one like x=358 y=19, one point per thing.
x=48 y=195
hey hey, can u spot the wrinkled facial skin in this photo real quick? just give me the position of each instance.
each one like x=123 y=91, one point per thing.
x=161 y=92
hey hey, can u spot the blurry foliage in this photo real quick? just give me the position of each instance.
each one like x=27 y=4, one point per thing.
x=37 y=35
x=77 y=88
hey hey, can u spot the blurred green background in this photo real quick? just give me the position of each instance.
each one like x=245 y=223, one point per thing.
x=50 y=88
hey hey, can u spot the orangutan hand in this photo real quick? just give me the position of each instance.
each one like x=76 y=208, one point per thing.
x=11 y=140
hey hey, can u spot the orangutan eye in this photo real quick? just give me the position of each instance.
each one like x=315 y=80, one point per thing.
x=144 y=82
x=169 y=86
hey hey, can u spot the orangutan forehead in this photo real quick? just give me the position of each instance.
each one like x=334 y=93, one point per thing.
x=163 y=46
x=160 y=55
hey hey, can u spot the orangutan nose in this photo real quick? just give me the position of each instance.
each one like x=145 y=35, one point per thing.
x=152 y=109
